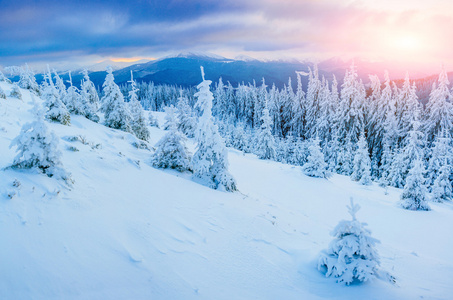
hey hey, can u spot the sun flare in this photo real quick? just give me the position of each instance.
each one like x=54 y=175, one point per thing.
x=407 y=43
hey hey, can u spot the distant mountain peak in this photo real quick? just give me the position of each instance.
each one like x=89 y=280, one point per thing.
x=244 y=57
x=195 y=54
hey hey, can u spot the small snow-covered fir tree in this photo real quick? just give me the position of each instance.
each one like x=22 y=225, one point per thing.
x=56 y=110
x=88 y=91
x=171 y=151
x=152 y=120
x=73 y=100
x=37 y=147
x=187 y=122
x=440 y=154
x=210 y=160
x=415 y=193
x=352 y=254
x=170 y=117
x=2 y=93
x=59 y=85
x=138 y=120
x=362 y=163
x=27 y=78
x=315 y=165
x=89 y=98
x=265 y=143
x=15 y=92
x=116 y=113
x=239 y=139
x=441 y=188
x=3 y=77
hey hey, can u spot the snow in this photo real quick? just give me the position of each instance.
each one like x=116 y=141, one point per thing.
x=125 y=230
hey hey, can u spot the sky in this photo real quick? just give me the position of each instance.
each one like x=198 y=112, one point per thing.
x=65 y=33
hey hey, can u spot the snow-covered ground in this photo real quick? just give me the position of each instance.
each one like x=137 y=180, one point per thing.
x=125 y=230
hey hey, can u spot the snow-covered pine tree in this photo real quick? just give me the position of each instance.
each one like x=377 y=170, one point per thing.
x=3 y=78
x=439 y=109
x=116 y=113
x=239 y=138
x=170 y=117
x=152 y=120
x=88 y=91
x=171 y=151
x=2 y=93
x=59 y=85
x=403 y=159
x=299 y=109
x=411 y=109
x=187 y=122
x=90 y=98
x=27 y=78
x=441 y=188
x=15 y=92
x=219 y=106
x=138 y=120
x=415 y=193
x=315 y=165
x=352 y=254
x=313 y=102
x=73 y=100
x=441 y=154
x=362 y=163
x=37 y=147
x=265 y=143
x=210 y=161
x=350 y=116
x=56 y=110
x=344 y=156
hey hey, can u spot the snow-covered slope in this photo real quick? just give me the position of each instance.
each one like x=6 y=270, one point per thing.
x=125 y=230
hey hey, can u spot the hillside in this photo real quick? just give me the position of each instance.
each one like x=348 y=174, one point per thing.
x=125 y=230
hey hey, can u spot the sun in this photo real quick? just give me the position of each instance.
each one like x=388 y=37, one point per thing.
x=408 y=43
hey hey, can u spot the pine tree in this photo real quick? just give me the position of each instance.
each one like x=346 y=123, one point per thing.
x=352 y=254
x=15 y=92
x=88 y=91
x=3 y=78
x=116 y=113
x=404 y=158
x=2 y=93
x=239 y=138
x=315 y=165
x=59 y=85
x=27 y=78
x=56 y=110
x=187 y=122
x=170 y=117
x=138 y=121
x=90 y=98
x=362 y=163
x=73 y=100
x=414 y=196
x=171 y=151
x=439 y=109
x=265 y=143
x=441 y=154
x=152 y=120
x=210 y=161
x=37 y=147
x=441 y=188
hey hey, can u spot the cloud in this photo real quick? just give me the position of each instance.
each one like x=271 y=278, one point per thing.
x=32 y=29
